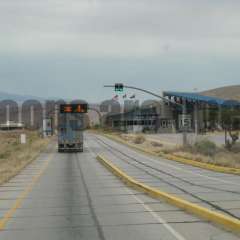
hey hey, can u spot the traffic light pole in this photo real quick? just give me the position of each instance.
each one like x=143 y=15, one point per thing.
x=183 y=106
x=145 y=91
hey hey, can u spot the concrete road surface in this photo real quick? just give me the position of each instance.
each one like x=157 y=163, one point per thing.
x=217 y=191
x=71 y=196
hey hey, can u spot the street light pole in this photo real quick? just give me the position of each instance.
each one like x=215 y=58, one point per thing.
x=183 y=106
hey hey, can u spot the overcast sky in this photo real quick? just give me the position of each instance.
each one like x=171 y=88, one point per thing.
x=70 y=48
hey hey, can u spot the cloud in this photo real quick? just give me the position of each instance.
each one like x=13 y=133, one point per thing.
x=136 y=28
x=116 y=45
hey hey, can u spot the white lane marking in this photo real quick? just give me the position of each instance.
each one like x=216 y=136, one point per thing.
x=176 y=234
x=94 y=155
x=187 y=171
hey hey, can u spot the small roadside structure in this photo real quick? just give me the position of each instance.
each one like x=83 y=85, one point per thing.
x=10 y=125
x=133 y=121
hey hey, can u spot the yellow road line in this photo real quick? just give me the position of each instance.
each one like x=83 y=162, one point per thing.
x=19 y=201
x=228 y=223
x=194 y=163
x=162 y=221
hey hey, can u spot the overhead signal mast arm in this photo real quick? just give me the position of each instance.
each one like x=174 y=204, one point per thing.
x=120 y=85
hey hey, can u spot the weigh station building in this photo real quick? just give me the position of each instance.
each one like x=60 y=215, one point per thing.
x=202 y=114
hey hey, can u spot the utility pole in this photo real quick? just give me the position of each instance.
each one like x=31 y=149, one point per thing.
x=183 y=106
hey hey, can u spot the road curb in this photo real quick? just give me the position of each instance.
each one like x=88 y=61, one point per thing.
x=207 y=166
x=226 y=222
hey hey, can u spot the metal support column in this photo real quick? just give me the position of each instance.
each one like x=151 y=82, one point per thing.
x=184 y=113
x=196 y=126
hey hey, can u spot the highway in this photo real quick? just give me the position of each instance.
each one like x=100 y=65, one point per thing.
x=217 y=191
x=72 y=196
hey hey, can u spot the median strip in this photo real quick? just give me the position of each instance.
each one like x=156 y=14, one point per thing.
x=193 y=163
x=228 y=223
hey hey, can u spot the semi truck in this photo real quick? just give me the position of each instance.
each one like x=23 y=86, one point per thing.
x=71 y=127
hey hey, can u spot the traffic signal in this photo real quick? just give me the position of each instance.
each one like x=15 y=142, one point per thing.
x=119 y=87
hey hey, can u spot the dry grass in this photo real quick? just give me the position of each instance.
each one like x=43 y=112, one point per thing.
x=140 y=141
x=203 y=151
x=228 y=92
x=220 y=156
x=15 y=156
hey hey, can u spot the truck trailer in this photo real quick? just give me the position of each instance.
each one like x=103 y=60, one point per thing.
x=71 y=127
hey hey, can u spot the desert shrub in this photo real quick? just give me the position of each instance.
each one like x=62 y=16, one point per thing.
x=156 y=144
x=4 y=155
x=236 y=148
x=96 y=126
x=205 y=147
x=139 y=139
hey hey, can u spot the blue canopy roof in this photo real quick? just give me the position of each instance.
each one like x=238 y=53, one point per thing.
x=204 y=99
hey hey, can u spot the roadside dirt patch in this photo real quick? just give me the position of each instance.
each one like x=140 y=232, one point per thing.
x=14 y=156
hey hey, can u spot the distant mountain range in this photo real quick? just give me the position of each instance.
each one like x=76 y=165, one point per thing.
x=228 y=92
x=18 y=97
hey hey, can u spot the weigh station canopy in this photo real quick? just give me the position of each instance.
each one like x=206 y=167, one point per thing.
x=197 y=98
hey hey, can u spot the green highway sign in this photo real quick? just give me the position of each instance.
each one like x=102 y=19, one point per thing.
x=119 y=87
